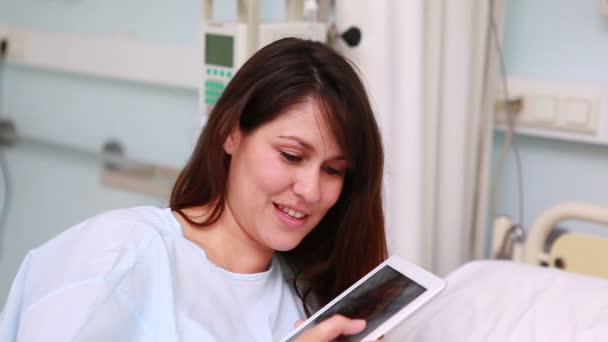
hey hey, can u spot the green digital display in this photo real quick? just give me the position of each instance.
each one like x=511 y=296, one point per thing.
x=219 y=50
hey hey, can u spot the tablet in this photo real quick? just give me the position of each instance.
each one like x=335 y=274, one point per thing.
x=383 y=298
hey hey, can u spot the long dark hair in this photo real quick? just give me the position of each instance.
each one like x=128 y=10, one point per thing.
x=350 y=240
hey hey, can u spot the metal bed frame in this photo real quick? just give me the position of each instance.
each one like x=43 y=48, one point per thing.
x=548 y=245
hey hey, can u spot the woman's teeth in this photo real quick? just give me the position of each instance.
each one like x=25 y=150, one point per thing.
x=291 y=212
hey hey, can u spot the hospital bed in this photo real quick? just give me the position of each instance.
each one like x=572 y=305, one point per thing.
x=548 y=245
x=546 y=285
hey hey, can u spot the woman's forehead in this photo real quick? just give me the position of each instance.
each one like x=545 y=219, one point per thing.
x=307 y=123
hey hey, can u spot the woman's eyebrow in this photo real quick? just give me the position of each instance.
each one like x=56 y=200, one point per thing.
x=300 y=141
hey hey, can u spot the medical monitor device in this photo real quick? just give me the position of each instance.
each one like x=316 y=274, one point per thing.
x=225 y=49
x=383 y=298
x=228 y=44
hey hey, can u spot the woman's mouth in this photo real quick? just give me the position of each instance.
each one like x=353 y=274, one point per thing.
x=290 y=216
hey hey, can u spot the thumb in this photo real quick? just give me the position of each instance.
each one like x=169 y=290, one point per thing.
x=333 y=327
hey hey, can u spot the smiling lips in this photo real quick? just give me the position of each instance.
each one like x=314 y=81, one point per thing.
x=291 y=212
x=291 y=217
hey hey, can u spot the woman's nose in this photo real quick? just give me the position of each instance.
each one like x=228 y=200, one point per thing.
x=307 y=185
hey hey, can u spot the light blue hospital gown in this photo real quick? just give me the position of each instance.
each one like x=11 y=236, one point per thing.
x=131 y=275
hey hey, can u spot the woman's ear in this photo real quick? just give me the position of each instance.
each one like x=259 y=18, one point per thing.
x=232 y=141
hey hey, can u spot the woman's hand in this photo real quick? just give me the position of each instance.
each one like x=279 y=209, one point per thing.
x=331 y=328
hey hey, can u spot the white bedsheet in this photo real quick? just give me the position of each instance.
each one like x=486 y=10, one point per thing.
x=506 y=301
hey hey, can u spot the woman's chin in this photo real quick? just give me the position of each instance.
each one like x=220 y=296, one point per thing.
x=285 y=246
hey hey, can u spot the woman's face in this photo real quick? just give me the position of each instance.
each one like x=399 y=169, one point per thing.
x=284 y=177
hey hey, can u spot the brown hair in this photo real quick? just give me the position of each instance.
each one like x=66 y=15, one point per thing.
x=350 y=240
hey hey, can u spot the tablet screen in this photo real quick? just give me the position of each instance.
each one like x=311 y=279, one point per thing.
x=376 y=300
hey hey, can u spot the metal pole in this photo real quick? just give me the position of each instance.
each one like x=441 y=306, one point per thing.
x=249 y=13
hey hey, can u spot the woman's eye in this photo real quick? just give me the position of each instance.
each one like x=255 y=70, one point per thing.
x=331 y=171
x=291 y=157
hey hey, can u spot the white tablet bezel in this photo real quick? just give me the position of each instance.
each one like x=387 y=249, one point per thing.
x=426 y=279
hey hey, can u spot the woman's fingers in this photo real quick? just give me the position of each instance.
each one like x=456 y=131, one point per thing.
x=331 y=328
x=299 y=322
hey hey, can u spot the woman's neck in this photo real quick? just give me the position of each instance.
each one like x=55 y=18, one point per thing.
x=225 y=243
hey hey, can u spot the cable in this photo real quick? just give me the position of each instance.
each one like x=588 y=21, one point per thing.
x=509 y=142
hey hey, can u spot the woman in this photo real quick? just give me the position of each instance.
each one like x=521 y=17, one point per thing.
x=277 y=211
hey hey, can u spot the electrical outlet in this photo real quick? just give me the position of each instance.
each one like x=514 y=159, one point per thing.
x=555 y=108
x=560 y=110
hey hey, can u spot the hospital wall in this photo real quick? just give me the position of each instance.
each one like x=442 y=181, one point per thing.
x=558 y=41
x=65 y=118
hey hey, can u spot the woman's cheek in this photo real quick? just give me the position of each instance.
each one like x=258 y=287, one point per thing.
x=273 y=174
x=332 y=192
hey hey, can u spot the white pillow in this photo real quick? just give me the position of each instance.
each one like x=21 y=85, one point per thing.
x=506 y=301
